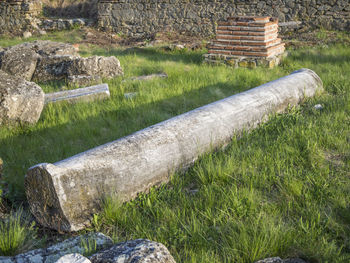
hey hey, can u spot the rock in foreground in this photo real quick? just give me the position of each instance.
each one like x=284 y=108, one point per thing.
x=73 y=245
x=73 y=258
x=135 y=251
x=21 y=101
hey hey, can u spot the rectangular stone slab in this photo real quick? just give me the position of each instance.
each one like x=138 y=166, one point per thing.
x=83 y=94
x=66 y=194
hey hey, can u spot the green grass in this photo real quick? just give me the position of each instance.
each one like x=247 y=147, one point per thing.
x=16 y=234
x=281 y=190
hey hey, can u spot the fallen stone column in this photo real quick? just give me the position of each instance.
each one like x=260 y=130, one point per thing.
x=65 y=194
x=82 y=94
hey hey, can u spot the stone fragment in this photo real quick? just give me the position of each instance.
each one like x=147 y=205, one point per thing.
x=49 y=48
x=92 y=241
x=130 y=95
x=76 y=68
x=82 y=94
x=148 y=77
x=105 y=67
x=73 y=258
x=65 y=194
x=53 y=68
x=21 y=101
x=19 y=60
x=42 y=32
x=84 y=80
x=134 y=251
x=318 y=107
x=270 y=260
x=27 y=34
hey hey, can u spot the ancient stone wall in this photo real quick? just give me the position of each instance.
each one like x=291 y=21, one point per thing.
x=199 y=17
x=18 y=15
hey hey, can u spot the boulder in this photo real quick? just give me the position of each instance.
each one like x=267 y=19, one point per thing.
x=21 y=101
x=49 y=48
x=55 y=252
x=54 y=67
x=105 y=67
x=134 y=251
x=270 y=260
x=73 y=258
x=19 y=60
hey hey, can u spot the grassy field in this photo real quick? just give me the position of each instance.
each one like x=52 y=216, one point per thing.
x=281 y=190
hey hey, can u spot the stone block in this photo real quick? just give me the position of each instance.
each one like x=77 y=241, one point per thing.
x=21 y=101
x=19 y=60
x=136 y=251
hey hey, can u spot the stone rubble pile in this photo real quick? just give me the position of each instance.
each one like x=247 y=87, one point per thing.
x=21 y=100
x=42 y=61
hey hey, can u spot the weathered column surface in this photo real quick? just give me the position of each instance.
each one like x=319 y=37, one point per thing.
x=65 y=194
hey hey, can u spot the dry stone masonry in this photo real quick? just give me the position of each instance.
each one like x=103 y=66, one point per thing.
x=66 y=194
x=19 y=15
x=247 y=42
x=144 y=17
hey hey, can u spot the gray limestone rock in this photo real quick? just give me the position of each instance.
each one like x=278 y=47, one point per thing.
x=270 y=260
x=76 y=68
x=19 y=60
x=84 y=80
x=134 y=251
x=49 y=48
x=21 y=101
x=105 y=67
x=67 y=193
x=54 y=253
x=73 y=258
x=54 y=67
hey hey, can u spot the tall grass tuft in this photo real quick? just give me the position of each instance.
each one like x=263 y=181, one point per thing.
x=17 y=234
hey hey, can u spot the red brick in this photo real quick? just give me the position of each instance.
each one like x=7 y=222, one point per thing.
x=223 y=52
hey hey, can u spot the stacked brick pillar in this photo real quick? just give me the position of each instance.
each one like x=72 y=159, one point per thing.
x=247 y=42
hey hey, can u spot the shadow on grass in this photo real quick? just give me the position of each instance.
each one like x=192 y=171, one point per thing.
x=317 y=56
x=155 y=54
x=32 y=145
